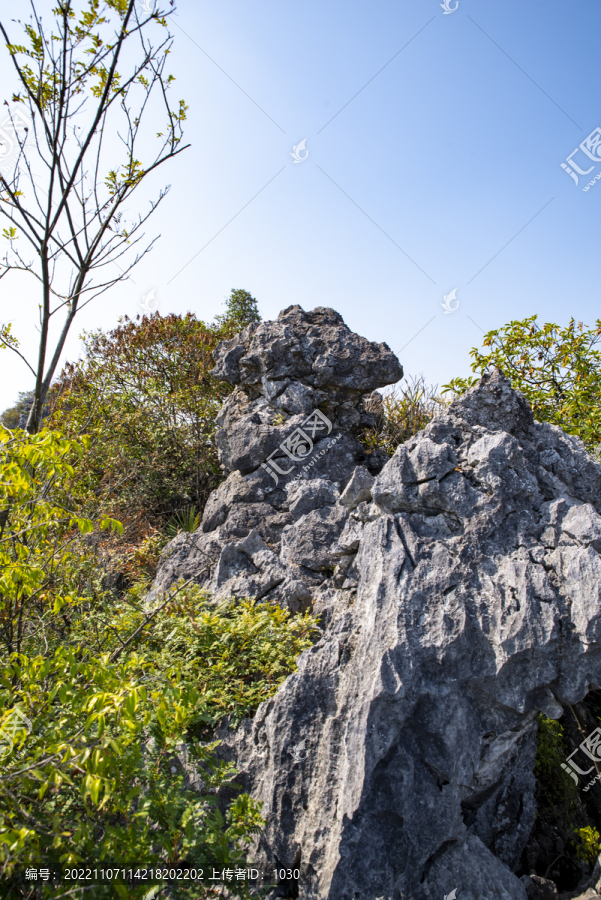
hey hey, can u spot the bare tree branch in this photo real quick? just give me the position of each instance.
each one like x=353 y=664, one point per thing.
x=63 y=197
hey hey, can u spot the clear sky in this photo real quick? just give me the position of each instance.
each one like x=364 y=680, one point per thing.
x=435 y=144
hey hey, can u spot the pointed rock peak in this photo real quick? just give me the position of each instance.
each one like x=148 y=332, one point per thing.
x=494 y=404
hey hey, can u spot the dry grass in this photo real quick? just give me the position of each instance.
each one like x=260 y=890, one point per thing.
x=401 y=412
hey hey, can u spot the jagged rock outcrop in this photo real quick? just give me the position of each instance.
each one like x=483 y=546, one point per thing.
x=397 y=762
x=287 y=436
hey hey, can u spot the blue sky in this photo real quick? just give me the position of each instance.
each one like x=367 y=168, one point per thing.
x=442 y=173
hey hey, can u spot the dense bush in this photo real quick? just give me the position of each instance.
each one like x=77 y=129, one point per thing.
x=111 y=692
x=144 y=395
x=106 y=707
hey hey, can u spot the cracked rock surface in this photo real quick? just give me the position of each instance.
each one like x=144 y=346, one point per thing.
x=266 y=534
x=459 y=588
x=471 y=601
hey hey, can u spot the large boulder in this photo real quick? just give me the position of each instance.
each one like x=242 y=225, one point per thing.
x=397 y=762
x=287 y=437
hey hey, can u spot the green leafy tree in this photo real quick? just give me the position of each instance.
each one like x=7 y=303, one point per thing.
x=36 y=518
x=241 y=310
x=144 y=395
x=557 y=369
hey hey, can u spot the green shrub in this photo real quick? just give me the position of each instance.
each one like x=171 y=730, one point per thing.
x=144 y=395
x=557 y=369
x=556 y=793
x=97 y=779
x=111 y=691
x=589 y=844
x=238 y=653
x=187 y=520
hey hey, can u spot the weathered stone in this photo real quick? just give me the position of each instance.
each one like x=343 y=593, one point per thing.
x=459 y=593
x=583 y=523
x=456 y=624
x=315 y=347
x=539 y=888
x=309 y=541
x=304 y=366
x=305 y=496
x=358 y=490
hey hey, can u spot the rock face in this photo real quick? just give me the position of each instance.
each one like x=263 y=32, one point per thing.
x=287 y=436
x=460 y=594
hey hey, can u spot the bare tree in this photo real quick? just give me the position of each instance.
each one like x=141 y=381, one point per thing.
x=84 y=91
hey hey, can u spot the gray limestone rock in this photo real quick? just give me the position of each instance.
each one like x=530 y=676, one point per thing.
x=539 y=888
x=287 y=436
x=304 y=496
x=315 y=348
x=458 y=619
x=459 y=590
x=358 y=490
x=287 y=369
x=308 y=542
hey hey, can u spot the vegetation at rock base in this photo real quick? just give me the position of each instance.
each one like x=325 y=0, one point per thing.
x=565 y=840
x=112 y=693
x=118 y=704
x=556 y=790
